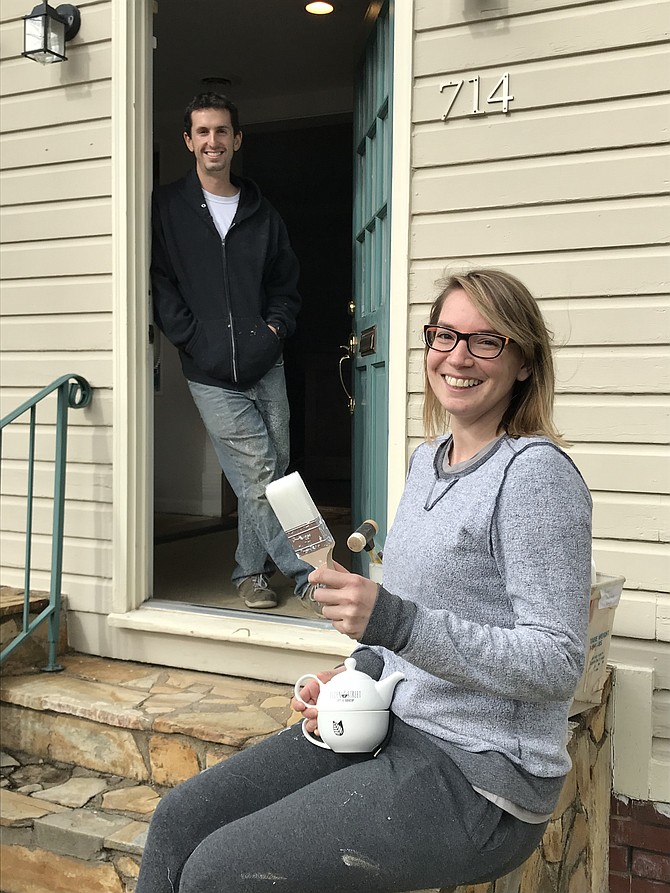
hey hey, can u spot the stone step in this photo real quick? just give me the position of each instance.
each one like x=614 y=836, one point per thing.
x=140 y=721
x=67 y=829
x=90 y=751
x=34 y=651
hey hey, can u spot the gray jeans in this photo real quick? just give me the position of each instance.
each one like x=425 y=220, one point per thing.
x=250 y=433
x=285 y=816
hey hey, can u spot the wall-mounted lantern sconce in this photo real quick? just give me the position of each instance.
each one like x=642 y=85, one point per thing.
x=46 y=30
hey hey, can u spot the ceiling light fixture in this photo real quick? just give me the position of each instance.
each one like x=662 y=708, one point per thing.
x=319 y=8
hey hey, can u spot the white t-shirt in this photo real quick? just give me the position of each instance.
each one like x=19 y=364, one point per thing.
x=222 y=208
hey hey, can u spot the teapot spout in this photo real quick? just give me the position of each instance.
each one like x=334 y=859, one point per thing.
x=386 y=687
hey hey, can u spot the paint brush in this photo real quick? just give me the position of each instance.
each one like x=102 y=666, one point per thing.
x=301 y=520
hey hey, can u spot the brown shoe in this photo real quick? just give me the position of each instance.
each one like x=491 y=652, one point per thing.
x=255 y=592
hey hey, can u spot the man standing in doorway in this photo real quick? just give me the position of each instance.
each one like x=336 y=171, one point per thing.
x=224 y=281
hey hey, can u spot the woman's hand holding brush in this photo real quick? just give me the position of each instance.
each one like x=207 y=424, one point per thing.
x=347 y=599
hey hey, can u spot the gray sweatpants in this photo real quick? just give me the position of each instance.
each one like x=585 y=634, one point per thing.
x=285 y=816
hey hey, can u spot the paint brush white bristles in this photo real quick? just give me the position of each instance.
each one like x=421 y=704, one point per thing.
x=305 y=528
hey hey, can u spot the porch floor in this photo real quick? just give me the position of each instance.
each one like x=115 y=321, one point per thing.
x=194 y=566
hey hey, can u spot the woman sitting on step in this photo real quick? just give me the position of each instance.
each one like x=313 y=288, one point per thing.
x=483 y=608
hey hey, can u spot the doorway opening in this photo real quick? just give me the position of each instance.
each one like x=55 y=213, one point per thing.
x=292 y=77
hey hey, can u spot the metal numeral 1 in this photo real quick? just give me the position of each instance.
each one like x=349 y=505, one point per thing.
x=475 y=95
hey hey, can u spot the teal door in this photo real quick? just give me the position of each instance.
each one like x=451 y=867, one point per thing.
x=371 y=224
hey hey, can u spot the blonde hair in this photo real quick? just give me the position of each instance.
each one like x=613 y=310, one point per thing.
x=511 y=309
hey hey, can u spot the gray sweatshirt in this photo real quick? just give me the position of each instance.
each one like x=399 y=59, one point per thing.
x=484 y=608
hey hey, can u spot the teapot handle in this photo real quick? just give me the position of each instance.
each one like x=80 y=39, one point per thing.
x=299 y=685
x=317 y=741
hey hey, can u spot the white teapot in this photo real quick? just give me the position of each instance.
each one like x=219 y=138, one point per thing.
x=353 y=709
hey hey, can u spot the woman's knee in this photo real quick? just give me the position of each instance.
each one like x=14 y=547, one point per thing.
x=167 y=819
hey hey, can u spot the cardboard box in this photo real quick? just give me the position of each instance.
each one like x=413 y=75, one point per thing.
x=605 y=596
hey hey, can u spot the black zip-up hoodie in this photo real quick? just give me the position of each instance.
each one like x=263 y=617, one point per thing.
x=213 y=299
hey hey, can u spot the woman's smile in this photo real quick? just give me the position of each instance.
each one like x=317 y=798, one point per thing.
x=462 y=382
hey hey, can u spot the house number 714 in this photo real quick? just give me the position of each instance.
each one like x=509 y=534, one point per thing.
x=499 y=94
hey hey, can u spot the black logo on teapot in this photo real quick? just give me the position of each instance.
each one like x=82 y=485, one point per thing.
x=338 y=728
x=348 y=696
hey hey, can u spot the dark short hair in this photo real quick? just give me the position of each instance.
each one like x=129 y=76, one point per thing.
x=211 y=101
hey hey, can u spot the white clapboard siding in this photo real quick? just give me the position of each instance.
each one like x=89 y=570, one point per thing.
x=661 y=714
x=98 y=412
x=556 y=33
x=602 y=77
x=58 y=182
x=631 y=516
x=39 y=370
x=89 y=594
x=589 y=273
x=85 y=65
x=56 y=264
x=644 y=565
x=69 y=294
x=95 y=27
x=60 y=144
x=651 y=655
x=82 y=481
x=69 y=332
x=430 y=15
x=58 y=105
x=89 y=444
x=57 y=220
x=596 y=224
x=625 y=468
x=637 y=121
x=628 y=320
x=630 y=370
x=14 y=10
x=82 y=556
x=659 y=771
x=663 y=618
x=621 y=418
x=61 y=257
x=589 y=418
x=636 y=615
x=588 y=370
x=531 y=181
x=83 y=520
x=622 y=320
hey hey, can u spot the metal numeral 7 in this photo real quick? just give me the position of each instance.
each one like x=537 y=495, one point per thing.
x=443 y=87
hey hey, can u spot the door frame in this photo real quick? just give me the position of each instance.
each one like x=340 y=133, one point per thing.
x=132 y=488
x=399 y=291
x=132 y=543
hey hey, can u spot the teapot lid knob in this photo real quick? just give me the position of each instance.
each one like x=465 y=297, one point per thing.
x=350 y=663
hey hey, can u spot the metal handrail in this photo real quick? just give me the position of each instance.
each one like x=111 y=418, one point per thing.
x=76 y=393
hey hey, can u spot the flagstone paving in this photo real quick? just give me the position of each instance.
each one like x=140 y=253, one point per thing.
x=87 y=755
